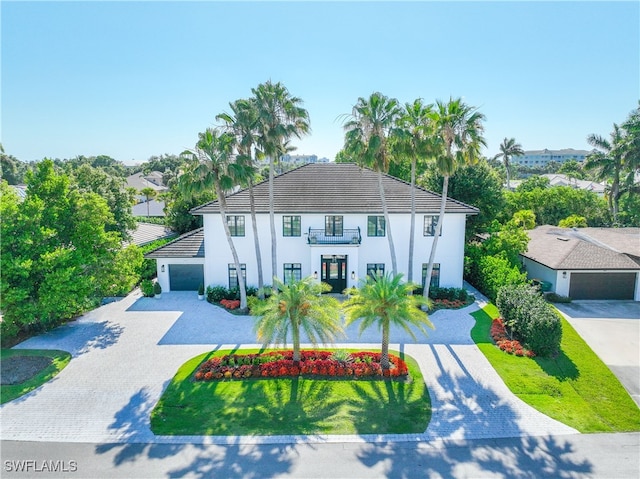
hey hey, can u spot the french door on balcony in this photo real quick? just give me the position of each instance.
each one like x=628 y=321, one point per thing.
x=334 y=272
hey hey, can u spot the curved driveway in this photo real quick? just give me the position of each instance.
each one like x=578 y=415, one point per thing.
x=125 y=353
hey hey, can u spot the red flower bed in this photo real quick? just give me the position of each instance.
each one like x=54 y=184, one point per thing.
x=277 y=364
x=511 y=346
x=230 y=303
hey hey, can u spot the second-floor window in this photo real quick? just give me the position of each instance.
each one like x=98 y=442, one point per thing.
x=291 y=226
x=236 y=225
x=375 y=226
x=430 y=222
x=333 y=225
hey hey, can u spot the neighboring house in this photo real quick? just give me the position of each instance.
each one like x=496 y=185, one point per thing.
x=329 y=225
x=21 y=191
x=139 y=181
x=564 y=180
x=586 y=263
x=155 y=208
x=146 y=233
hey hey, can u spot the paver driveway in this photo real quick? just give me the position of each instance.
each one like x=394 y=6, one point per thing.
x=125 y=353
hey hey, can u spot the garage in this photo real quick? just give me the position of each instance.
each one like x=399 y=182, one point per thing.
x=602 y=285
x=185 y=277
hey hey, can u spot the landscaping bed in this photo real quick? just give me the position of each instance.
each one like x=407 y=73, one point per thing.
x=297 y=405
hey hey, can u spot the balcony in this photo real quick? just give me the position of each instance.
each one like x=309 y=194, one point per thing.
x=348 y=236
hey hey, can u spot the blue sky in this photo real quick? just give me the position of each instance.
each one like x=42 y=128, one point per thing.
x=132 y=80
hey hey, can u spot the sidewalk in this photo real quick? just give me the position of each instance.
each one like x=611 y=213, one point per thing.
x=125 y=353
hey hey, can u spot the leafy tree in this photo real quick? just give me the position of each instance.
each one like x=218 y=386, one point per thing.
x=57 y=255
x=414 y=141
x=532 y=183
x=178 y=206
x=477 y=185
x=383 y=301
x=368 y=129
x=573 y=221
x=508 y=149
x=572 y=169
x=280 y=117
x=210 y=167
x=12 y=170
x=295 y=307
x=458 y=136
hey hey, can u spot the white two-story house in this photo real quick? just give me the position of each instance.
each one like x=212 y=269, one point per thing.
x=329 y=225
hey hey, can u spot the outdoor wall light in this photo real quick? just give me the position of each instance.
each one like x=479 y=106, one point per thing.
x=162 y=269
x=353 y=275
x=564 y=275
x=315 y=275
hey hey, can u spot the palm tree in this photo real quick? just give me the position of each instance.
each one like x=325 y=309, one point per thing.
x=414 y=141
x=608 y=164
x=368 y=129
x=386 y=300
x=211 y=159
x=280 y=117
x=298 y=306
x=458 y=137
x=148 y=193
x=508 y=149
x=242 y=123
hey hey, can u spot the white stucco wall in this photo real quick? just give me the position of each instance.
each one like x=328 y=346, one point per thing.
x=450 y=252
x=544 y=273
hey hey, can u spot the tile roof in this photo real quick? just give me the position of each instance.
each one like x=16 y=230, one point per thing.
x=156 y=208
x=146 y=233
x=335 y=188
x=585 y=248
x=189 y=245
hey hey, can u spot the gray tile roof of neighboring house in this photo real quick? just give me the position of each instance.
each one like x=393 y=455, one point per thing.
x=189 y=245
x=585 y=248
x=140 y=181
x=335 y=188
x=146 y=233
x=156 y=208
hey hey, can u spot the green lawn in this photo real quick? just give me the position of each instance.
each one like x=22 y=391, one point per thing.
x=60 y=360
x=575 y=388
x=290 y=406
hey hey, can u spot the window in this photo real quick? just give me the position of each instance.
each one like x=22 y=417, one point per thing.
x=430 y=223
x=291 y=226
x=236 y=225
x=292 y=272
x=375 y=269
x=333 y=225
x=233 y=276
x=375 y=226
x=435 y=275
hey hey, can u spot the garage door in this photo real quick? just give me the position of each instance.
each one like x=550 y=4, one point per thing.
x=602 y=285
x=185 y=277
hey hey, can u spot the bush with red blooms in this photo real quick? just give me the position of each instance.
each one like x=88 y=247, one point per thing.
x=511 y=346
x=230 y=303
x=278 y=364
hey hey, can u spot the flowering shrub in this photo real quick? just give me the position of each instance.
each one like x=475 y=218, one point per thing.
x=511 y=346
x=277 y=364
x=230 y=303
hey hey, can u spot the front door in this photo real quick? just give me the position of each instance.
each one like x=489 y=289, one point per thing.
x=334 y=272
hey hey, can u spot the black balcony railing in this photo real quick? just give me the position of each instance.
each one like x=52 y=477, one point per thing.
x=348 y=236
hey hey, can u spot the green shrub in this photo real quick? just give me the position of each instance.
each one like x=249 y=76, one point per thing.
x=146 y=286
x=157 y=289
x=451 y=294
x=529 y=318
x=496 y=272
x=215 y=294
x=201 y=289
x=557 y=298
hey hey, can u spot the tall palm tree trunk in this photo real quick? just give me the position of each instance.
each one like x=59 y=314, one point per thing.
x=295 y=333
x=392 y=249
x=412 y=229
x=436 y=236
x=272 y=221
x=384 y=356
x=223 y=214
x=506 y=165
x=256 y=239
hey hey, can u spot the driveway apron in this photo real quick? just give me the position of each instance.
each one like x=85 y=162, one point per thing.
x=125 y=353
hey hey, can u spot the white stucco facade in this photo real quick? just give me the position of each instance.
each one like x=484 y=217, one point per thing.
x=296 y=249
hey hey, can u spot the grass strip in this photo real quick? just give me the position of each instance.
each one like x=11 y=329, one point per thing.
x=283 y=406
x=59 y=361
x=575 y=388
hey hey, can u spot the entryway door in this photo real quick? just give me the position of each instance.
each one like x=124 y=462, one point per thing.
x=334 y=272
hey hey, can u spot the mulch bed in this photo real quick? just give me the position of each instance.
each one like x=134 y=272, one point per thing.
x=18 y=369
